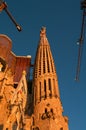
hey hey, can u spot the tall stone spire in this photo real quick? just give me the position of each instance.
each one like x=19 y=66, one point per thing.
x=45 y=78
x=47 y=104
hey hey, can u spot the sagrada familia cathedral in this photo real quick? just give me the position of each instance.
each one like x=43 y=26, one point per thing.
x=29 y=104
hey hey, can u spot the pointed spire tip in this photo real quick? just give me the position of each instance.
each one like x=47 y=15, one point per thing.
x=43 y=32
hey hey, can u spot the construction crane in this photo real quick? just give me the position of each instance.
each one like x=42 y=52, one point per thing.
x=81 y=39
x=3 y=6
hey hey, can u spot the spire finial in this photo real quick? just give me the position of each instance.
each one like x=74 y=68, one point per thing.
x=43 y=32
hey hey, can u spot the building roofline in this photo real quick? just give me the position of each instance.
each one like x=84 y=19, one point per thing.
x=28 y=56
x=3 y=35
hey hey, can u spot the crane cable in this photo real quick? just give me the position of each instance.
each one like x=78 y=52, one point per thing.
x=81 y=41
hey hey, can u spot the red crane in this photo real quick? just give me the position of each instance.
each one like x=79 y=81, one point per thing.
x=81 y=39
x=3 y=6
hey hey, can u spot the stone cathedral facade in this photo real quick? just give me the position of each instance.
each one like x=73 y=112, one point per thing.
x=29 y=104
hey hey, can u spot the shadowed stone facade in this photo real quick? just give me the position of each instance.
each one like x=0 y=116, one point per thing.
x=30 y=104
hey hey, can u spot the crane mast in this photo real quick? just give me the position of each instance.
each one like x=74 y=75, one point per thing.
x=81 y=39
x=3 y=6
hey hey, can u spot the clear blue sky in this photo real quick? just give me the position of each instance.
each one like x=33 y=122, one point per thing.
x=62 y=19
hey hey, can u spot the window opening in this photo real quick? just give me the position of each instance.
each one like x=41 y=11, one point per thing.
x=43 y=60
x=47 y=61
x=40 y=89
x=33 y=121
x=30 y=86
x=54 y=86
x=40 y=63
x=15 y=85
x=51 y=60
x=51 y=110
x=45 y=87
x=45 y=110
x=49 y=82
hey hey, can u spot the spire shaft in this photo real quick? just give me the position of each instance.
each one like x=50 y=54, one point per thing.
x=45 y=78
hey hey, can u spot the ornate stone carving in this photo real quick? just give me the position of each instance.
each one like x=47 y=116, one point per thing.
x=48 y=115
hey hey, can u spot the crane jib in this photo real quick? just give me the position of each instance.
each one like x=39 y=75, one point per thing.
x=3 y=6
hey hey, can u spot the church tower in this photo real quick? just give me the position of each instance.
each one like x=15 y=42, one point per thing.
x=48 y=109
x=29 y=104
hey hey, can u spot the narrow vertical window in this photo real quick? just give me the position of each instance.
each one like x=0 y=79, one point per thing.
x=48 y=67
x=51 y=110
x=51 y=60
x=45 y=110
x=40 y=89
x=54 y=87
x=35 y=95
x=33 y=122
x=45 y=87
x=43 y=60
x=40 y=63
x=49 y=83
